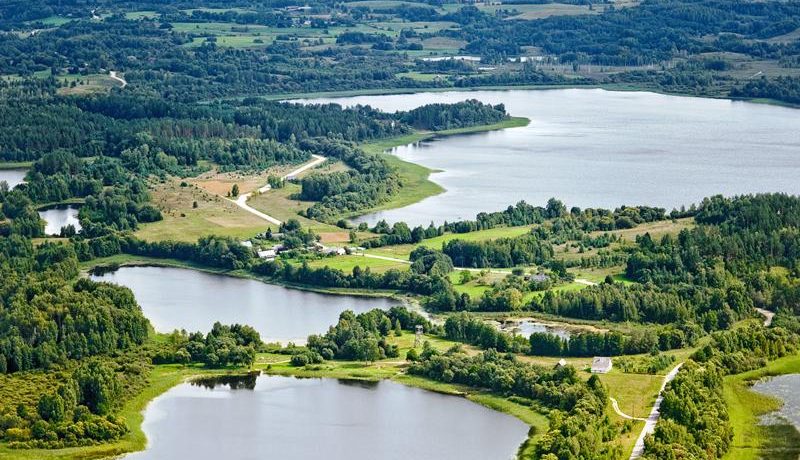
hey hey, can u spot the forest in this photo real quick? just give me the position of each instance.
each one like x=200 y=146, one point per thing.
x=133 y=112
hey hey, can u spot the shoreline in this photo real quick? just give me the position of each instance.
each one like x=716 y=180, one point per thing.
x=419 y=184
x=624 y=87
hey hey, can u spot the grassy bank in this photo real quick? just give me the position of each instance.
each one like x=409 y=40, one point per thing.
x=128 y=260
x=162 y=378
x=608 y=87
x=15 y=164
x=416 y=183
x=751 y=440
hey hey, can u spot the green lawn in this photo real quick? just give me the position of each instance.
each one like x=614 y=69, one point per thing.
x=346 y=263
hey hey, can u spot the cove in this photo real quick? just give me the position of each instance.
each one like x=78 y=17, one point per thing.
x=178 y=298
x=598 y=148
x=785 y=388
x=12 y=177
x=273 y=417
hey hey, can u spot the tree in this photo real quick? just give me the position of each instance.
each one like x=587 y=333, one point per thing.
x=98 y=386
x=235 y=190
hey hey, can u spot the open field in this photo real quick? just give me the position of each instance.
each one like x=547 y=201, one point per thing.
x=402 y=251
x=348 y=262
x=213 y=215
x=751 y=440
x=280 y=204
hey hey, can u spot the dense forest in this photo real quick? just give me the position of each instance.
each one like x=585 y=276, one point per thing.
x=177 y=51
x=105 y=103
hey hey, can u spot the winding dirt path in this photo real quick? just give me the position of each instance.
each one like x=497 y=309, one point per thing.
x=615 y=405
x=241 y=200
x=655 y=413
x=114 y=76
x=768 y=315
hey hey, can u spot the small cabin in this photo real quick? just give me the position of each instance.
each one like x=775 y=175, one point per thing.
x=601 y=365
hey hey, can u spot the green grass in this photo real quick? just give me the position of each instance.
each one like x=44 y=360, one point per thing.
x=137 y=15
x=346 y=263
x=751 y=440
x=416 y=185
x=418 y=76
x=15 y=164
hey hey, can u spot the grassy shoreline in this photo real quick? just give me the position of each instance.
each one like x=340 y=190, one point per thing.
x=128 y=260
x=632 y=87
x=416 y=178
x=15 y=164
x=751 y=440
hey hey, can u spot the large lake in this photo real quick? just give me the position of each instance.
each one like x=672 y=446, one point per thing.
x=177 y=298
x=285 y=418
x=598 y=148
x=60 y=216
x=12 y=177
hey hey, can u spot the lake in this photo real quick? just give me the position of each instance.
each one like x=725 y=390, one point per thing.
x=13 y=177
x=58 y=217
x=272 y=417
x=177 y=298
x=598 y=148
x=784 y=387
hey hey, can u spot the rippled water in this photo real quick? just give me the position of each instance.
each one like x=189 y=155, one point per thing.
x=597 y=148
x=285 y=418
x=176 y=298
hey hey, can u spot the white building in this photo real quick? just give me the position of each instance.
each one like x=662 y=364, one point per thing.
x=268 y=254
x=601 y=365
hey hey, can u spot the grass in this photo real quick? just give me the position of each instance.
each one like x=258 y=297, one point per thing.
x=214 y=215
x=279 y=203
x=745 y=407
x=162 y=378
x=346 y=263
x=416 y=185
x=15 y=164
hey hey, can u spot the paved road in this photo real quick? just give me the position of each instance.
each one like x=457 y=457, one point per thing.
x=652 y=419
x=241 y=200
x=114 y=76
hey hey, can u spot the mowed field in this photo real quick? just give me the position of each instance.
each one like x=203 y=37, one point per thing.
x=214 y=215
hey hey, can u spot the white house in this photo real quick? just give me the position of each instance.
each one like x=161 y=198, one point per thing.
x=601 y=365
x=267 y=254
x=247 y=244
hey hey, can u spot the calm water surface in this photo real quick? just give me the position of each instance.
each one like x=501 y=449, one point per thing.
x=13 y=177
x=59 y=217
x=787 y=388
x=297 y=419
x=525 y=328
x=176 y=298
x=591 y=147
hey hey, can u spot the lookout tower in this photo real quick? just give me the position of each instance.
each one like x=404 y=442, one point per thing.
x=417 y=335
